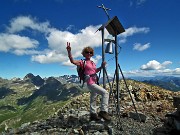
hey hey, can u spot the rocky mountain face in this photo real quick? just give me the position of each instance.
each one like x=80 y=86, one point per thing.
x=75 y=79
x=68 y=78
x=36 y=80
x=32 y=98
x=158 y=110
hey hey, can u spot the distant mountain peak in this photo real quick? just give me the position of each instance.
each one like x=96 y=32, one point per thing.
x=28 y=76
x=36 y=80
x=52 y=80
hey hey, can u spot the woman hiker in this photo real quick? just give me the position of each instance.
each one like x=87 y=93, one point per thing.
x=90 y=72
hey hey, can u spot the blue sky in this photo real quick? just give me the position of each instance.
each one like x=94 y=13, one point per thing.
x=33 y=36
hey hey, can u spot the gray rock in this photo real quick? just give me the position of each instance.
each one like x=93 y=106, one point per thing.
x=138 y=116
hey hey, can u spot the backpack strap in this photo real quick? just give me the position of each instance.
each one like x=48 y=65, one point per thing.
x=83 y=69
x=84 y=64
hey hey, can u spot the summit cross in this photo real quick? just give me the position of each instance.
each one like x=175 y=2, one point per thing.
x=105 y=10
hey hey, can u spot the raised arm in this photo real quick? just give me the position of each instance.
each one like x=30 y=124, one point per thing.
x=75 y=62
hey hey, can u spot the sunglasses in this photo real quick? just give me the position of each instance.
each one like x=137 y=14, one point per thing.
x=88 y=52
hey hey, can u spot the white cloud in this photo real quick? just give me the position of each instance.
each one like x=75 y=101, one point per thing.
x=155 y=65
x=153 y=68
x=67 y=63
x=96 y=58
x=139 y=47
x=23 y=22
x=12 y=42
x=56 y=40
x=132 y=31
x=176 y=71
x=26 y=52
x=166 y=63
x=49 y=56
x=148 y=73
x=141 y=73
x=86 y=37
x=55 y=51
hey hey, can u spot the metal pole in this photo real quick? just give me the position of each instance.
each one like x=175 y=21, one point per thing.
x=117 y=72
x=129 y=92
x=103 y=57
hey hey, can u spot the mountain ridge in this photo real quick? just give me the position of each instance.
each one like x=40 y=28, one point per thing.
x=26 y=100
x=166 y=82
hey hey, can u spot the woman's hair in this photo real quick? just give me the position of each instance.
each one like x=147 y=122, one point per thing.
x=87 y=49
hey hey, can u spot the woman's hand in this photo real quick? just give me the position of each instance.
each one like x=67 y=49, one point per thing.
x=103 y=64
x=68 y=47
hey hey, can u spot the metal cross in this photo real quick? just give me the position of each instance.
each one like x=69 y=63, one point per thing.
x=105 y=10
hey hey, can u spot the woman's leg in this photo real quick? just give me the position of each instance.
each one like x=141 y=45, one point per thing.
x=93 y=96
x=96 y=89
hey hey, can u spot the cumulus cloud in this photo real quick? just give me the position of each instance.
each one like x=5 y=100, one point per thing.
x=176 y=71
x=141 y=73
x=86 y=37
x=155 y=65
x=56 y=40
x=49 y=56
x=26 y=52
x=132 y=31
x=96 y=58
x=145 y=73
x=12 y=42
x=21 y=23
x=55 y=49
x=139 y=47
x=153 y=68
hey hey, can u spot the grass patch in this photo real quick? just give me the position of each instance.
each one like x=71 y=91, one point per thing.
x=38 y=109
x=5 y=114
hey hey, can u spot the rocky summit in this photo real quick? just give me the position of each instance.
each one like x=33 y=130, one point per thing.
x=144 y=110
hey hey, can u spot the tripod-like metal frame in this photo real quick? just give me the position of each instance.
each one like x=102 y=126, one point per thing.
x=116 y=98
x=114 y=27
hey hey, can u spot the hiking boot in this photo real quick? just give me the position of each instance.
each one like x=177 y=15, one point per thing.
x=94 y=117
x=105 y=115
